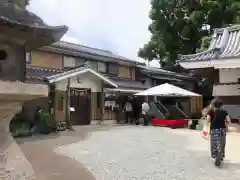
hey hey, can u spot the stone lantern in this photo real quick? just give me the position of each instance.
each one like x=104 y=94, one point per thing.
x=20 y=32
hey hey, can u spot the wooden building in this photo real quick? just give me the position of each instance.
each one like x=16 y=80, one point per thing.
x=220 y=63
x=99 y=80
x=63 y=57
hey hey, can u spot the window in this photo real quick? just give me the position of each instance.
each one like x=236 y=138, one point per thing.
x=113 y=69
x=102 y=67
x=69 y=62
x=132 y=71
x=93 y=65
x=60 y=103
x=124 y=72
x=79 y=62
x=28 y=58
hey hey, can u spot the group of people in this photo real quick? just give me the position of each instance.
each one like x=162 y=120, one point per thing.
x=133 y=111
x=217 y=118
x=215 y=115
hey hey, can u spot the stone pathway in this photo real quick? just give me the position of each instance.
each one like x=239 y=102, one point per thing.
x=152 y=153
x=47 y=164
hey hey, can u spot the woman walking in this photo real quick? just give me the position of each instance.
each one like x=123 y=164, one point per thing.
x=218 y=117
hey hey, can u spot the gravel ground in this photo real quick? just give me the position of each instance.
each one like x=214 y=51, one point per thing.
x=152 y=153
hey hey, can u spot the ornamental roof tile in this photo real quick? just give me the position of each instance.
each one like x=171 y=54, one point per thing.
x=225 y=43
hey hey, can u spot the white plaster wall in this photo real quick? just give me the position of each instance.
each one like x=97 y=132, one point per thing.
x=61 y=86
x=196 y=64
x=233 y=111
x=87 y=81
x=148 y=82
x=93 y=83
x=226 y=90
x=229 y=75
x=226 y=63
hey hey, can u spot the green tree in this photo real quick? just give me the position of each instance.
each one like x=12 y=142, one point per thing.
x=21 y=3
x=205 y=42
x=178 y=26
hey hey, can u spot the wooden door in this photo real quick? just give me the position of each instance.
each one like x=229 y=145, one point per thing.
x=80 y=100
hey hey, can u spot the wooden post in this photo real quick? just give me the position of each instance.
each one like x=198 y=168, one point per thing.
x=67 y=110
x=102 y=102
x=146 y=99
x=52 y=99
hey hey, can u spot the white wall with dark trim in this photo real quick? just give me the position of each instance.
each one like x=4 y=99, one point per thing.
x=87 y=81
x=229 y=75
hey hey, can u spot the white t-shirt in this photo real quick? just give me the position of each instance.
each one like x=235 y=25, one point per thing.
x=128 y=107
x=145 y=108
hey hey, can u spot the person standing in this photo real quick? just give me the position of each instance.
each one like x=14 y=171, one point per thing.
x=118 y=113
x=145 y=110
x=218 y=117
x=136 y=110
x=128 y=111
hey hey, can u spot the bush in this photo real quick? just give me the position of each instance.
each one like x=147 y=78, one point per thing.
x=45 y=123
x=19 y=126
x=21 y=131
x=42 y=122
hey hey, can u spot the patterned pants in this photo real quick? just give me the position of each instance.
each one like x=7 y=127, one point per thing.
x=218 y=141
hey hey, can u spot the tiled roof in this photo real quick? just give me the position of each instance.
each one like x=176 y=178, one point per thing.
x=158 y=71
x=88 y=50
x=164 y=78
x=41 y=74
x=79 y=71
x=225 y=43
x=53 y=75
x=37 y=73
x=65 y=73
x=130 y=84
x=72 y=49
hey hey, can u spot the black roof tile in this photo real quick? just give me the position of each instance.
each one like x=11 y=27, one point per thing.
x=38 y=73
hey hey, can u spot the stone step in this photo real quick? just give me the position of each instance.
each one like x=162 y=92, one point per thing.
x=234 y=128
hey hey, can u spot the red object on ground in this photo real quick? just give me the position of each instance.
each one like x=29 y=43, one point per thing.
x=205 y=133
x=169 y=122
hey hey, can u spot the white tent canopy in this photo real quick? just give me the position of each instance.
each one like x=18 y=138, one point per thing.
x=167 y=90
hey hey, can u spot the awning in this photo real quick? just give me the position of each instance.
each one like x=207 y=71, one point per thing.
x=167 y=90
x=77 y=72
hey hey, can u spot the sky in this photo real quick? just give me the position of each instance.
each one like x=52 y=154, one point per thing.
x=120 y=26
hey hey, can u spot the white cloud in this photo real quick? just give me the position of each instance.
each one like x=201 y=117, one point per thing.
x=118 y=26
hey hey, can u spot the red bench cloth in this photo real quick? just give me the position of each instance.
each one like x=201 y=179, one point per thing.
x=169 y=122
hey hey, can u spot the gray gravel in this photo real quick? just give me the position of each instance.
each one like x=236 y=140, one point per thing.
x=152 y=153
